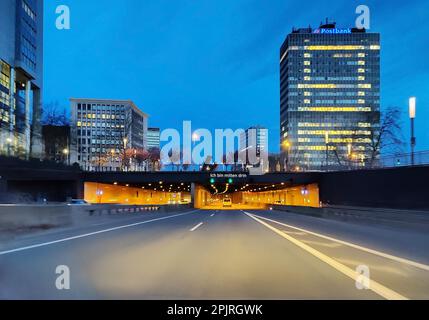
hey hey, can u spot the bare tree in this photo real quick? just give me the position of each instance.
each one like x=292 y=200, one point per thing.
x=55 y=115
x=388 y=136
x=154 y=158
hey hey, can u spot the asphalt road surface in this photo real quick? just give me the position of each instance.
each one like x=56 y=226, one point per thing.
x=218 y=255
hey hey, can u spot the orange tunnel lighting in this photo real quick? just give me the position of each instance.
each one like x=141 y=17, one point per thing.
x=301 y=196
x=97 y=193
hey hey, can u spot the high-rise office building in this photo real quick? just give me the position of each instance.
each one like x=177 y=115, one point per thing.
x=330 y=96
x=153 y=138
x=254 y=146
x=21 y=77
x=108 y=135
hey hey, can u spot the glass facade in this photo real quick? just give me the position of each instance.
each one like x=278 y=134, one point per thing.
x=21 y=80
x=330 y=97
x=254 y=141
x=4 y=94
x=26 y=48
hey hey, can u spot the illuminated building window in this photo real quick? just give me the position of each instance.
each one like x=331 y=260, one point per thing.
x=333 y=132
x=307 y=101
x=361 y=78
x=364 y=86
x=334 y=47
x=361 y=62
x=361 y=93
x=360 y=70
x=307 y=70
x=307 y=55
x=307 y=78
x=307 y=63
x=334 y=109
x=342 y=55
x=307 y=94
x=364 y=125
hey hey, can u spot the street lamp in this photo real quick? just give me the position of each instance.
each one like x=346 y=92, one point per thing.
x=327 y=148
x=112 y=156
x=66 y=153
x=412 y=109
x=124 y=156
x=9 y=144
x=286 y=147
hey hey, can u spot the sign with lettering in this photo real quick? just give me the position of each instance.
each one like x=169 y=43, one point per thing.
x=333 y=31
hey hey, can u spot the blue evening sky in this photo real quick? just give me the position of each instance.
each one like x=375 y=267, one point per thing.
x=216 y=62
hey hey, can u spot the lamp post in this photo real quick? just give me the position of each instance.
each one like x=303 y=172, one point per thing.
x=66 y=153
x=123 y=164
x=350 y=154
x=412 y=109
x=112 y=155
x=286 y=147
x=327 y=149
x=9 y=143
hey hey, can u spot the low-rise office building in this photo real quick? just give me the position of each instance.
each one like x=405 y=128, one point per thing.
x=108 y=135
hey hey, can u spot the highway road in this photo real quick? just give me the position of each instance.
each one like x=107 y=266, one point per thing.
x=218 y=255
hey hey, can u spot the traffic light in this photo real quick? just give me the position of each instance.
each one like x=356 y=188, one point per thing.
x=230 y=181
x=212 y=180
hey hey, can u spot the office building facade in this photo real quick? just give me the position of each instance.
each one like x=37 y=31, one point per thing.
x=330 y=97
x=153 y=138
x=21 y=77
x=108 y=135
x=254 y=146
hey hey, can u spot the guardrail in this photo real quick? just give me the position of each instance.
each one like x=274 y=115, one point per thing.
x=117 y=209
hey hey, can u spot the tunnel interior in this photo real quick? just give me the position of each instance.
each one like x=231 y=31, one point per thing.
x=247 y=196
x=212 y=195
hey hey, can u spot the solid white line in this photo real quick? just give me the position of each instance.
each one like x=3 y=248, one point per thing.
x=374 y=286
x=196 y=227
x=355 y=246
x=91 y=234
x=212 y=215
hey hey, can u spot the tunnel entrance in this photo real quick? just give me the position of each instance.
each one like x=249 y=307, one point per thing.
x=219 y=191
x=255 y=197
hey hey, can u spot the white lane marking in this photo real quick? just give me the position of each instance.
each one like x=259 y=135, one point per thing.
x=296 y=233
x=91 y=234
x=320 y=243
x=375 y=286
x=196 y=227
x=212 y=215
x=378 y=253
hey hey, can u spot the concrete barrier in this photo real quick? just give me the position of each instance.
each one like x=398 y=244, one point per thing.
x=23 y=217
x=389 y=217
x=14 y=217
